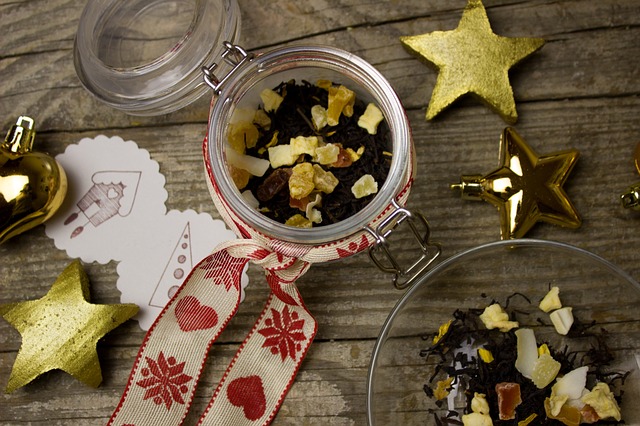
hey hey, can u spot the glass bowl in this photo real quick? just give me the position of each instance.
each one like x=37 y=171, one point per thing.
x=595 y=289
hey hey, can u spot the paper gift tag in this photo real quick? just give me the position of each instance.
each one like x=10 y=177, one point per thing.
x=115 y=210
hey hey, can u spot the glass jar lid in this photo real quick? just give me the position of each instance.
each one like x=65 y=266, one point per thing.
x=145 y=58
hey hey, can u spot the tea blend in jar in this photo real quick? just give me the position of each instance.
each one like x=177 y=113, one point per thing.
x=310 y=154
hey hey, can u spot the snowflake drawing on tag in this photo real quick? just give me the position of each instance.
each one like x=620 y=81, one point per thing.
x=224 y=269
x=164 y=381
x=283 y=333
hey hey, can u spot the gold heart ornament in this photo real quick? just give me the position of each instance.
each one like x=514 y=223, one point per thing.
x=32 y=184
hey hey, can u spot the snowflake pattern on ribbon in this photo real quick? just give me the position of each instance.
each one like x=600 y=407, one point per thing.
x=222 y=267
x=283 y=333
x=164 y=381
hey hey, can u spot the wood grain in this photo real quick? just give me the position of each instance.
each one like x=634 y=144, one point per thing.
x=580 y=90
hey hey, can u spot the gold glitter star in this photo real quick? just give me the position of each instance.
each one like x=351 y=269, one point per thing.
x=526 y=188
x=61 y=330
x=472 y=59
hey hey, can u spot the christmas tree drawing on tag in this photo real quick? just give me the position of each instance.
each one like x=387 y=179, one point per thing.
x=176 y=269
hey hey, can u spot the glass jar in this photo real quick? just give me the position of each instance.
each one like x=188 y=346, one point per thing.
x=241 y=89
x=145 y=58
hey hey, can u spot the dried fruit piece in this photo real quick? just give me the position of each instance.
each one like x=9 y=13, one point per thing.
x=255 y=166
x=240 y=177
x=327 y=154
x=479 y=403
x=364 y=186
x=271 y=100
x=508 y=399
x=319 y=116
x=355 y=155
x=588 y=414
x=341 y=101
x=603 y=401
x=273 y=184
x=442 y=388
x=442 y=330
x=281 y=155
x=562 y=320
x=303 y=145
x=495 y=317
x=568 y=415
x=485 y=355
x=528 y=420
x=543 y=349
x=527 y=351
x=301 y=180
x=262 y=119
x=312 y=213
x=476 y=419
x=551 y=300
x=298 y=221
x=242 y=135
x=324 y=181
x=343 y=160
x=571 y=384
x=370 y=119
x=545 y=370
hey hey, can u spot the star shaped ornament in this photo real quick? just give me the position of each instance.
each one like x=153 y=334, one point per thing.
x=472 y=60
x=61 y=330
x=526 y=188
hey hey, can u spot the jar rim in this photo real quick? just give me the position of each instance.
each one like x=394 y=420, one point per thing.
x=321 y=57
x=169 y=81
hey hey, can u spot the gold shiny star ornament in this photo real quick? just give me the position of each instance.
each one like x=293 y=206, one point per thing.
x=472 y=60
x=526 y=188
x=61 y=330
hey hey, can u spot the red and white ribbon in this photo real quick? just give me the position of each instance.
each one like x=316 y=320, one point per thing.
x=161 y=386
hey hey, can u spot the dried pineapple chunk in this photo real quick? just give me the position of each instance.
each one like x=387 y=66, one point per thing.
x=319 y=116
x=551 y=300
x=240 y=177
x=301 y=181
x=495 y=317
x=271 y=100
x=299 y=221
x=327 y=154
x=281 y=155
x=324 y=181
x=479 y=403
x=262 y=119
x=370 y=119
x=545 y=370
x=364 y=186
x=476 y=419
x=341 y=101
x=242 y=135
x=355 y=155
x=303 y=145
x=603 y=401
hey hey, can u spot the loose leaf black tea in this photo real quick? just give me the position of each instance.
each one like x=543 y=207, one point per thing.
x=467 y=371
x=322 y=149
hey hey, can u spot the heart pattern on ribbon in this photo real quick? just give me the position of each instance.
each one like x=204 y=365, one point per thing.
x=192 y=315
x=248 y=393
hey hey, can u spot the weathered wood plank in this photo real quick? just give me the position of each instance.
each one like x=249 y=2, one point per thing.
x=581 y=90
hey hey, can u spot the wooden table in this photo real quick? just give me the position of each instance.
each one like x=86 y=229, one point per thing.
x=580 y=91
